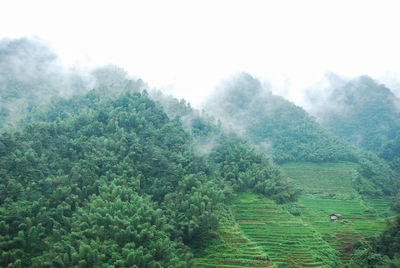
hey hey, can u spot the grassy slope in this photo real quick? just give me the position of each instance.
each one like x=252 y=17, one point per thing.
x=310 y=239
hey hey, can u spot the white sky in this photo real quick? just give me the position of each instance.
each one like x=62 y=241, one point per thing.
x=191 y=45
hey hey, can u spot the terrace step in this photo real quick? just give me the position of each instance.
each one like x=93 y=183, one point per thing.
x=281 y=235
x=311 y=239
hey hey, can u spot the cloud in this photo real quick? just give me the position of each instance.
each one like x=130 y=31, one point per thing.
x=31 y=75
x=190 y=46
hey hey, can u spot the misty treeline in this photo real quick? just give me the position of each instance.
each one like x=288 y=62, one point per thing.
x=113 y=181
x=31 y=75
x=96 y=171
x=287 y=133
x=102 y=179
x=361 y=111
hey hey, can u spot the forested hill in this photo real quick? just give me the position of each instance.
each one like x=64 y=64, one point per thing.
x=361 y=111
x=32 y=75
x=96 y=181
x=287 y=133
x=118 y=176
x=274 y=124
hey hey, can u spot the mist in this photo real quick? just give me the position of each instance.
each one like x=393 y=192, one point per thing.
x=188 y=48
x=32 y=75
x=361 y=110
x=247 y=107
x=233 y=98
x=336 y=113
x=199 y=133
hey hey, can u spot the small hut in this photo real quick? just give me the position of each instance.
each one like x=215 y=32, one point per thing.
x=335 y=217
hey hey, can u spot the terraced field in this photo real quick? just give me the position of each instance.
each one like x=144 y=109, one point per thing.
x=263 y=233
x=323 y=179
x=381 y=206
x=233 y=250
x=286 y=239
x=327 y=190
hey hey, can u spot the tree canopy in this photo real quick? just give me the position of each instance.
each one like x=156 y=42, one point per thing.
x=99 y=181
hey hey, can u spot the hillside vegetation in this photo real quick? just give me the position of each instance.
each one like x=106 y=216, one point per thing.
x=273 y=124
x=363 y=112
x=98 y=171
x=301 y=234
x=114 y=182
x=288 y=134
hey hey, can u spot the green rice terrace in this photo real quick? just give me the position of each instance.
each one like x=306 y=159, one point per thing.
x=261 y=233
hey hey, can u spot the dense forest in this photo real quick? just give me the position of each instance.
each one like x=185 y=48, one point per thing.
x=96 y=181
x=98 y=170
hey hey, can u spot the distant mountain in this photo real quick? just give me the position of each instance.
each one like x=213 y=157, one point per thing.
x=31 y=75
x=361 y=111
x=275 y=125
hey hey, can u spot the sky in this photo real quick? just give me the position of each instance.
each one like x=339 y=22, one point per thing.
x=188 y=47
